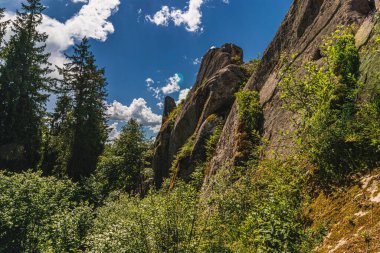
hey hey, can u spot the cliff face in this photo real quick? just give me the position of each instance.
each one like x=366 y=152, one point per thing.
x=222 y=73
x=220 y=76
x=301 y=32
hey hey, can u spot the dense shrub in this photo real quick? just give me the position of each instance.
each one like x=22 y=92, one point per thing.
x=260 y=212
x=325 y=95
x=251 y=121
x=161 y=222
x=41 y=214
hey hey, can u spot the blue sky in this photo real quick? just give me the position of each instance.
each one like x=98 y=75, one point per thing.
x=152 y=48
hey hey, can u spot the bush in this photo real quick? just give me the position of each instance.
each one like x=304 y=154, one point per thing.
x=260 y=212
x=324 y=96
x=251 y=120
x=39 y=214
x=161 y=222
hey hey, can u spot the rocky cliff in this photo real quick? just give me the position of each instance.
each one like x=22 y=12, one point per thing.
x=222 y=73
x=301 y=32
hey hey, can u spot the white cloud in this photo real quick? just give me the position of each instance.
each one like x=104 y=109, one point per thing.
x=173 y=85
x=197 y=61
x=91 y=21
x=139 y=14
x=161 y=17
x=191 y=18
x=149 y=82
x=114 y=132
x=160 y=105
x=183 y=95
x=138 y=110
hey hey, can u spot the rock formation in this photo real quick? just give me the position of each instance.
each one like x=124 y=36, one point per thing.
x=301 y=32
x=220 y=76
x=222 y=73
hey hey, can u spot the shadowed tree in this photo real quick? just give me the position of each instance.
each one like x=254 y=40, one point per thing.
x=23 y=84
x=79 y=123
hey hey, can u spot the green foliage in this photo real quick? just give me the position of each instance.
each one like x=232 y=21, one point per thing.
x=251 y=67
x=122 y=165
x=185 y=151
x=237 y=60
x=325 y=98
x=41 y=214
x=250 y=111
x=78 y=126
x=161 y=222
x=23 y=84
x=251 y=119
x=260 y=212
x=341 y=52
x=3 y=26
x=174 y=114
x=213 y=140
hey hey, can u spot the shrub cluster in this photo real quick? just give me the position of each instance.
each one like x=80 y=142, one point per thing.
x=325 y=96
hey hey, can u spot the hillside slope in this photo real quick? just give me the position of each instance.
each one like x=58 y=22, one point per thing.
x=349 y=213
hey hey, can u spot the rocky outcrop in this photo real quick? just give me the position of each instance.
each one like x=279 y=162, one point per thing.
x=169 y=106
x=220 y=77
x=301 y=32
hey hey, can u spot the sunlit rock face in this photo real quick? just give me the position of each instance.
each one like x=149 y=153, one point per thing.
x=219 y=78
x=302 y=32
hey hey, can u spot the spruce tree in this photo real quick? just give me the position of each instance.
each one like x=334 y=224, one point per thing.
x=23 y=84
x=3 y=26
x=82 y=130
x=132 y=147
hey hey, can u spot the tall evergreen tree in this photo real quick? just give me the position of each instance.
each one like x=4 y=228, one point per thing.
x=123 y=164
x=3 y=25
x=132 y=147
x=79 y=120
x=23 y=84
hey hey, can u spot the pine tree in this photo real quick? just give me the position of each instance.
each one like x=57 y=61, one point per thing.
x=122 y=165
x=81 y=130
x=3 y=26
x=23 y=84
x=59 y=136
x=132 y=147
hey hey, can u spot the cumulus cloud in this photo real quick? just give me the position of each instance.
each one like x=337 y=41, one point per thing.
x=91 y=21
x=183 y=95
x=114 y=133
x=191 y=17
x=149 y=82
x=173 y=85
x=138 y=110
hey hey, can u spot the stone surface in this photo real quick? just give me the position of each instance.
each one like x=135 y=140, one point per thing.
x=302 y=32
x=364 y=32
x=219 y=78
x=169 y=106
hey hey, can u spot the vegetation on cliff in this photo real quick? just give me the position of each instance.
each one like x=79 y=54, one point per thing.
x=84 y=194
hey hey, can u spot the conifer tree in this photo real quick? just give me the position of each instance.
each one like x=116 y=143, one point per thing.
x=3 y=26
x=23 y=84
x=80 y=122
x=132 y=147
